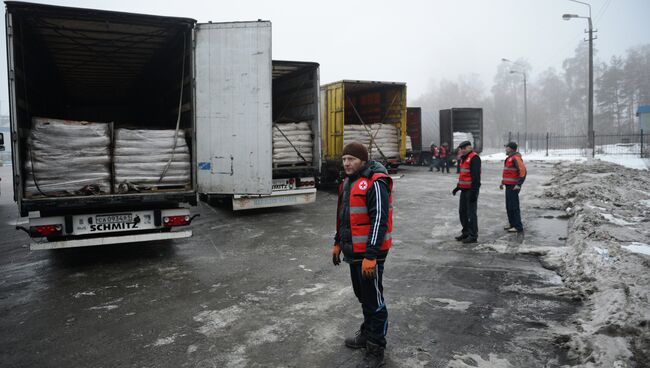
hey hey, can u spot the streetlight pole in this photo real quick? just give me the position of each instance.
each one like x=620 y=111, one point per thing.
x=590 y=111
x=522 y=72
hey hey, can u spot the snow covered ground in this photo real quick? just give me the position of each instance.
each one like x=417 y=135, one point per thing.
x=577 y=155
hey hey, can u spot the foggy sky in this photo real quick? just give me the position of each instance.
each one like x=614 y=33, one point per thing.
x=416 y=42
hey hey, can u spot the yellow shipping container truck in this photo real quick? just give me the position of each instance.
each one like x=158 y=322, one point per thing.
x=373 y=113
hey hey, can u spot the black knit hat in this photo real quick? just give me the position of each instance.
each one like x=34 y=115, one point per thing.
x=464 y=144
x=512 y=145
x=357 y=150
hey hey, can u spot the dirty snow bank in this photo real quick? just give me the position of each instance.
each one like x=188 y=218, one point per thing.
x=605 y=262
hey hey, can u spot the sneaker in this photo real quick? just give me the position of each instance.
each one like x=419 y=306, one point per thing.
x=374 y=356
x=461 y=237
x=469 y=240
x=507 y=228
x=514 y=230
x=357 y=341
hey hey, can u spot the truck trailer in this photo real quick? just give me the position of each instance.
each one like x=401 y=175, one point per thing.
x=261 y=118
x=462 y=123
x=286 y=144
x=371 y=112
x=415 y=155
x=125 y=85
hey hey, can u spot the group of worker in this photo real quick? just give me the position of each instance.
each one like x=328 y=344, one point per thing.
x=364 y=225
x=441 y=158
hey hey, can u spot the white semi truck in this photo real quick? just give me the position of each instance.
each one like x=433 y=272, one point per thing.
x=211 y=85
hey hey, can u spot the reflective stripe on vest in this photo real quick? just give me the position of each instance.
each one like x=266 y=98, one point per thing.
x=510 y=172
x=465 y=177
x=360 y=223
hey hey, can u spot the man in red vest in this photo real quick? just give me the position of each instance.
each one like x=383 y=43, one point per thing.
x=364 y=224
x=435 y=156
x=514 y=175
x=469 y=183
x=444 y=158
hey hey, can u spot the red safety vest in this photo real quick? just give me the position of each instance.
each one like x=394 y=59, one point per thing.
x=465 y=177
x=359 y=219
x=443 y=152
x=510 y=171
x=436 y=152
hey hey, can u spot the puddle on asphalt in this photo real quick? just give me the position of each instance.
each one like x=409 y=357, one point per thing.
x=551 y=228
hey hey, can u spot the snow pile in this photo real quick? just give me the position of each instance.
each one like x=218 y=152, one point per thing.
x=385 y=138
x=142 y=158
x=289 y=139
x=605 y=262
x=67 y=157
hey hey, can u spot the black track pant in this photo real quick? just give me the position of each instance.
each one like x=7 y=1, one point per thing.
x=370 y=293
x=512 y=207
x=467 y=212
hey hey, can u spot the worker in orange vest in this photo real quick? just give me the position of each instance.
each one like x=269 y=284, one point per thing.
x=469 y=183
x=514 y=175
x=363 y=233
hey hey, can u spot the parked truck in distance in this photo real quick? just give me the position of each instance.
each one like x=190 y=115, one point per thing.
x=416 y=154
x=460 y=124
x=371 y=112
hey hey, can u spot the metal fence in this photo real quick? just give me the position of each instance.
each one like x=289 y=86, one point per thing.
x=637 y=144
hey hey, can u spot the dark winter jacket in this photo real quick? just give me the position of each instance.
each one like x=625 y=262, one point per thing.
x=343 y=232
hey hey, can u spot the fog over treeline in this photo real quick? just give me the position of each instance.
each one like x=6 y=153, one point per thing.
x=557 y=99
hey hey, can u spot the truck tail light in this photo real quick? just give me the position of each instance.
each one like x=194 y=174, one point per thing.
x=45 y=230
x=170 y=221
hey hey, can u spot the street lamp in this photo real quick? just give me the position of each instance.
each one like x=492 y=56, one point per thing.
x=522 y=72
x=590 y=111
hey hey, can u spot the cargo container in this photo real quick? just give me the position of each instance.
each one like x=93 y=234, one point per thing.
x=210 y=82
x=462 y=120
x=351 y=105
x=294 y=94
x=416 y=155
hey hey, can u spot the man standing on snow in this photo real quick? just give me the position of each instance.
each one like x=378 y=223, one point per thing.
x=514 y=175
x=364 y=224
x=469 y=182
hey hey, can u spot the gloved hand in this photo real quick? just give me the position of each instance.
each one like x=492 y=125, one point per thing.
x=336 y=254
x=473 y=195
x=501 y=186
x=368 y=268
x=455 y=191
x=517 y=188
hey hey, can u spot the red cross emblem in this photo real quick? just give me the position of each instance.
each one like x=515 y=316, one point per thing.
x=363 y=185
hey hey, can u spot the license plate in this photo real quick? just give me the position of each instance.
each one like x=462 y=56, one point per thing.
x=113 y=219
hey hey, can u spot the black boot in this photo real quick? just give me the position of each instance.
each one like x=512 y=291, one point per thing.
x=357 y=341
x=461 y=237
x=374 y=356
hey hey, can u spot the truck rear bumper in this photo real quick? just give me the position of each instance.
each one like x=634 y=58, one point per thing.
x=276 y=199
x=110 y=240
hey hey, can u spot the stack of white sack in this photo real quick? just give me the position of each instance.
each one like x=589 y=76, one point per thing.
x=289 y=137
x=385 y=137
x=409 y=143
x=142 y=158
x=460 y=137
x=67 y=157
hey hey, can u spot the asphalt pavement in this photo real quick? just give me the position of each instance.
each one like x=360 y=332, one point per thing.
x=258 y=289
